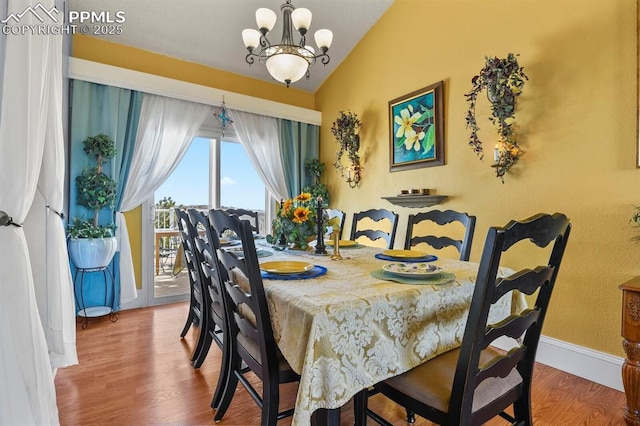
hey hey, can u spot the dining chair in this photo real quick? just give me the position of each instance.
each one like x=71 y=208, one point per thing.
x=212 y=278
x=197 y=301
x=441 y=218
x=476 y=382
x=244 y=214
x=250 y=333
x=331 y=213
x=211 y=300
x=376 y=215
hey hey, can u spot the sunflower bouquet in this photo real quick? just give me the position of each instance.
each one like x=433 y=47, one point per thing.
x=296 y=220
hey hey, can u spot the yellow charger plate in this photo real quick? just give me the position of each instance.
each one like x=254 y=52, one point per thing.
x=404 y=254
x=343 y=243
x=286 y=267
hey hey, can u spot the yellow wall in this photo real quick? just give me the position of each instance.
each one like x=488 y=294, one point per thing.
x=577 y=119
x=97 y=50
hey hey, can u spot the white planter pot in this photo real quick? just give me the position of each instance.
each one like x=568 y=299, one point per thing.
x=92 y=253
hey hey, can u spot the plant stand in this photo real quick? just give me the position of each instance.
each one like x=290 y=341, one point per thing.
x=94 y=311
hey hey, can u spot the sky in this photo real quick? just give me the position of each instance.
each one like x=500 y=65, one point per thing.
x=240 y=184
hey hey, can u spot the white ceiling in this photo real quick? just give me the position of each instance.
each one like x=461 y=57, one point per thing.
x=208 y=32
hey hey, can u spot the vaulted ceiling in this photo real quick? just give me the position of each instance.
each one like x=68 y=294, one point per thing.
x=208 y=32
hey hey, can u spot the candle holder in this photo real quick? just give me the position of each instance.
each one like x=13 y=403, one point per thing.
x=504 y=158
x=353 y=181
x=336 y=246
x=320 y=247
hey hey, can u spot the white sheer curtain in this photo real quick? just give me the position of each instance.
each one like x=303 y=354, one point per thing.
x=27 y=392
x=259 y=136
x=166 y=128
x=44 y=230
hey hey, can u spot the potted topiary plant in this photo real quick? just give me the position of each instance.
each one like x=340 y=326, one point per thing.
x=315 y=168
x=91 y=245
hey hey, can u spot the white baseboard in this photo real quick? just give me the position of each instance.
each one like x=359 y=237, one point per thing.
x=583 y=362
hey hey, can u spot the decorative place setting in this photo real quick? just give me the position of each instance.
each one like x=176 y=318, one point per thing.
x=348 y=244
x=413 y=273
x=229 y=242
x=408 y=256
x=259 y=251
x=291 y=270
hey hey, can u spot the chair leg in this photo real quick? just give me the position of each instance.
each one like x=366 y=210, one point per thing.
x=190 y=318
x=360 y=407
x=411 y=416
x=522 y=411
x=202 y=333
x=270 y=401
x=204 y=349
x=223 y=378
x=229 y=390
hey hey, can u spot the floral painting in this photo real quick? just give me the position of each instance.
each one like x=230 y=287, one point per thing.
x=415 y=126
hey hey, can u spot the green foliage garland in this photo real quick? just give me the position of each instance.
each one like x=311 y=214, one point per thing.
x=503 y=79
x=345 y=129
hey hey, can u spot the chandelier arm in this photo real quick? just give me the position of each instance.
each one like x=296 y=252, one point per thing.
x=264 y=42
x=324 y=58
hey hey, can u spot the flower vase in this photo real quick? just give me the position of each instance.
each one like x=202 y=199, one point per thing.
x=297 y=246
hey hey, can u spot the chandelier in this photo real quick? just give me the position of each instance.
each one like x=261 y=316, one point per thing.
x=287 y=62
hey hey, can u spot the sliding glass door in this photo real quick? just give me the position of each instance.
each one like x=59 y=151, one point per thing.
x=212 y=174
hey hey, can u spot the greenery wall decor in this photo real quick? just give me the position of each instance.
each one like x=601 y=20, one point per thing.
x=503 y=80
x=95 y=189
x=345 y=129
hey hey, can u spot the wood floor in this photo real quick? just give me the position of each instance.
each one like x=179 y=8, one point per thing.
x=136 y=371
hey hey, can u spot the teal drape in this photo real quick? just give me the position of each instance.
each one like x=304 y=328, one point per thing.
x=298 y=143
x=96 y=108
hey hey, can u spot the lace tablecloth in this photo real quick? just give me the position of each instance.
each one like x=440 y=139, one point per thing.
x=346 y=330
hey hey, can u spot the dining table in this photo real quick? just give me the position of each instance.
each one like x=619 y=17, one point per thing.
x=348 y=324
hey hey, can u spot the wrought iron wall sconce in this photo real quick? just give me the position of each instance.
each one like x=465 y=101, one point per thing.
x=505 y=154
x=503 y=80
x=353 y=176
x=345 y=129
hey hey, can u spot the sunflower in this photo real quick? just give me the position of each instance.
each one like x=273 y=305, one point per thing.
x=304 y=197
x=301 y=214
x=286 y=206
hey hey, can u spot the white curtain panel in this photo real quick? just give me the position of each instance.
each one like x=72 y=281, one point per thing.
x=27 y=392
x=259 y=136
x=44 y=229
x=166 y=128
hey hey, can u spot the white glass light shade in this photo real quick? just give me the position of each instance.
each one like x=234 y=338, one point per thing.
x=251 y=38
x=301 y=18
x=306 y=50
x=286 y=66
x=265 y=18
x=323 y=38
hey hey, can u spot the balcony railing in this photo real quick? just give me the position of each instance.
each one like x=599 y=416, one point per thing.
x=166 y=220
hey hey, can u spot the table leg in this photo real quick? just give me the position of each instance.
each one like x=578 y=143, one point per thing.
x=631 y=345
x=631 y=382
